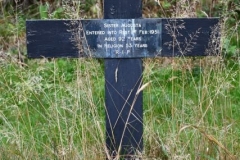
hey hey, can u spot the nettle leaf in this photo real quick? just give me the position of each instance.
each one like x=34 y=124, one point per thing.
x=43 y=10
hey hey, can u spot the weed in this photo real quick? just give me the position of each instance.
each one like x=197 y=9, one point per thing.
x=54 y=109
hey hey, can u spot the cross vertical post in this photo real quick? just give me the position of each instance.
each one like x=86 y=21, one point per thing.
x=124 y=113
x=122 y=38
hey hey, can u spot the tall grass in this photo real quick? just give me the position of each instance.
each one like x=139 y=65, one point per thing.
x=54 y=109
x=189 y=113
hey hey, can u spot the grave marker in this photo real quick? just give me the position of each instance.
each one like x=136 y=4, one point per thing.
x=122 y=39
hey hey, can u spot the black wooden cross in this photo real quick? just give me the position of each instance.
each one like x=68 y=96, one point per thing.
x=122 y=38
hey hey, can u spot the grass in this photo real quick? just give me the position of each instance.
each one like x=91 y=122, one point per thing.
x=191 y=110
x=54 y=109
x=50 y=111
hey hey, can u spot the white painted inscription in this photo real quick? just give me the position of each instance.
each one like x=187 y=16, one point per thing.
x=95 y=32
x=122 y=38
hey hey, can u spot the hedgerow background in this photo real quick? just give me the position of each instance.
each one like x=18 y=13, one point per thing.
x=54 y=108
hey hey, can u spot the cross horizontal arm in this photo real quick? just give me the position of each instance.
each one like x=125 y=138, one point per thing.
x=120 y=38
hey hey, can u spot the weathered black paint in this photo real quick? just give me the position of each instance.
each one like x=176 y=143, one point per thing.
x=152 y=40
x=122 y=9
x=197 y=32
x=122 y=80
x=58 y=43
x=123 y=77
